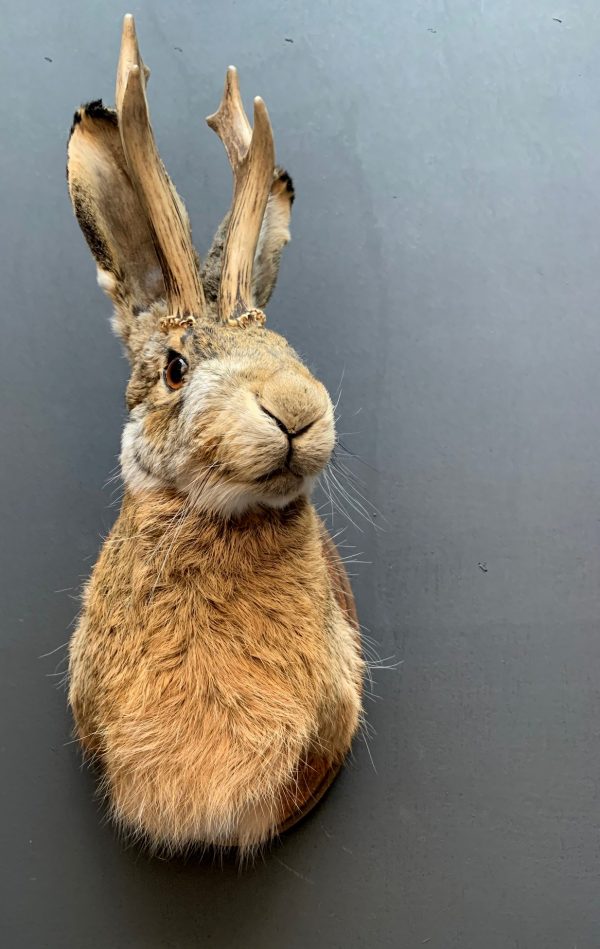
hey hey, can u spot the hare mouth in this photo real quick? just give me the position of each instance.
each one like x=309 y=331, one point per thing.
x=283 y=473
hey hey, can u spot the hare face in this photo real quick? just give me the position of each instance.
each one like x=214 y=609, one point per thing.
x=221 y=409
x=231 y=417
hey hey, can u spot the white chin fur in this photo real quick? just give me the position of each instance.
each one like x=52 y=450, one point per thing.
x=231 y=500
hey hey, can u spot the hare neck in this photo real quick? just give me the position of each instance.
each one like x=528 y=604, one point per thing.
x=167 y=539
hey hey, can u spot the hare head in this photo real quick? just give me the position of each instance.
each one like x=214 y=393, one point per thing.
x=220 y=407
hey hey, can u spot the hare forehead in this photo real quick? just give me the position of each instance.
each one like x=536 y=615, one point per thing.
x=250 y=344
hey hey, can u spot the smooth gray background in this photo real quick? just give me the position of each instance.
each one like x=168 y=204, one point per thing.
x=446 y=260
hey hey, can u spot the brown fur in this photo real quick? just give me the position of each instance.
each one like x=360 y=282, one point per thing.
x=211 y=659
x=215 y=674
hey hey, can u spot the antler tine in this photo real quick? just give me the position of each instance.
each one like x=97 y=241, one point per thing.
x=128 y=56
x=230 y=121
x=166 y=215
x=252 y=158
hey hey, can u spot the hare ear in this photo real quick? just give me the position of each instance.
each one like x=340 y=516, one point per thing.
x=274 y=235
x=110 y=214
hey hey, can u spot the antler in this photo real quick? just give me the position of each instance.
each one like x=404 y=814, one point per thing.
x=167 y=217
x=252 y=158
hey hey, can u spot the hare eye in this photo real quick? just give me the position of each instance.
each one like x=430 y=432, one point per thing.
x=175 y=372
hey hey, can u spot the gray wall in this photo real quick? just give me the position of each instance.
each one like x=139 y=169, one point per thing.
x=446 y=260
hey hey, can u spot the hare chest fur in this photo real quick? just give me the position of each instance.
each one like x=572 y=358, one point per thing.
x=216 y=671
x=211 y=664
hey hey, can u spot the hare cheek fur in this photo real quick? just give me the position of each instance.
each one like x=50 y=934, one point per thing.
x=277 y=420
x=215 y=673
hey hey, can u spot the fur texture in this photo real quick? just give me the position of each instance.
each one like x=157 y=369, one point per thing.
x=212 y=659
x=215 y=668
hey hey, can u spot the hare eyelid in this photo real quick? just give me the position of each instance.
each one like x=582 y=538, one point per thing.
x=173 y=354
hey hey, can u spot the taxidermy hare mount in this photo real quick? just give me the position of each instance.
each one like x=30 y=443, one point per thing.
x=216 y=670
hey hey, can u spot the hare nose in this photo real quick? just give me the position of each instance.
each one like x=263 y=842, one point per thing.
x=286 y=431
x=294 y=402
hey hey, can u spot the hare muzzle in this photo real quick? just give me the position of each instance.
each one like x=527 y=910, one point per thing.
x=301 y=410
x=257 y=441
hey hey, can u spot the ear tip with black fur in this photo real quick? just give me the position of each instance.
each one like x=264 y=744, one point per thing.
x=95 y=110
x=284 y=183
